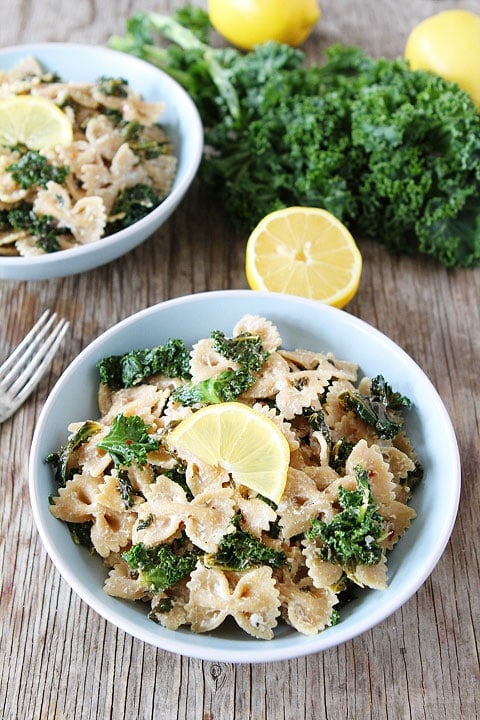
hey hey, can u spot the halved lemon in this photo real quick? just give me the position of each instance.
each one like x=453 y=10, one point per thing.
x=240 y=440
x=304 y=251
x=33 y=121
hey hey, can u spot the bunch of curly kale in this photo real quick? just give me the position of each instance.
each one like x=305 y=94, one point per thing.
x=393 y=153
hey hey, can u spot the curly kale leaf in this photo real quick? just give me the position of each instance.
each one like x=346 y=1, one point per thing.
x=224 y=387
x=62 y=457
x=125 y=488
x=240 y=550
x=159 y=567
x=120 y=371
x=131 y=204
x=43 y=228
x=352 y=537
x=393 y=153
x=128 y=441
x=81 y=534
x=245 y=349
x=375 y=409
x=34 y=169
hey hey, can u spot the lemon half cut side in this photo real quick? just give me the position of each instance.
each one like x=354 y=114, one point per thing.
x=33 y=121
x=240 y=440
x=304 y=251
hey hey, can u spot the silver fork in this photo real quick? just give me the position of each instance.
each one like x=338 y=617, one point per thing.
x=24 y=368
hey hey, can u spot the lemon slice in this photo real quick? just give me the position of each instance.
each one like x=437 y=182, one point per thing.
x=304 y=251
x=33 y=121
x=245 y=443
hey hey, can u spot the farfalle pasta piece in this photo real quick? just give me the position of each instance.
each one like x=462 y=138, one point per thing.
x=208 y=517
x=85 y=219
x=10 y=190
x=256 y=514
x=26 y=246
x=145 y=401
x=322 y=573
x=161 y=172
x=21 y=78
x=76 y=501
x=399 y=463
x=206 y=362
x=131 y=106
x=109 y=495
x=208 y=602
x=266 y=383
x=300 y=503
x=372 y=576
x=111 y=531
x=168 y=608
x=298 y=390
x=304 y=606
x=265 y=329
x=379 y=476
x=253 y=601
x=105 y=182
x=102 y=137
x=199 y=476
x=121 y=584
x=162 y=513
x=79 y=502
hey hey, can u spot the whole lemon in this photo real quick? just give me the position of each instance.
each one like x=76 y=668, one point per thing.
x=448 y=44
x=246 y=23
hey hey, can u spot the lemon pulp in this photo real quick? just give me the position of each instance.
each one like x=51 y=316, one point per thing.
x=304 y=251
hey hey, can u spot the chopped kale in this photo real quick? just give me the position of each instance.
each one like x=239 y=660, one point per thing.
x=128 y=441
x=352 y=537
x=146 y=522
x=171 y=359
x=125 y=488
x=143 y=142
x=34 y=169
x=245 y=349
x=161 y=566
x=240 y=550
x=131 y=204
x=81 y=534
x=375 y=409
x=339 y=454
x=43 y=228
x=224 y=387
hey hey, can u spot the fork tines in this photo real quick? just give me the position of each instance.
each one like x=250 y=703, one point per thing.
x=23 y=369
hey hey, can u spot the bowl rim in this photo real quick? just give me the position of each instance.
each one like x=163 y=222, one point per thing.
x=253 y=651
x=167 y=205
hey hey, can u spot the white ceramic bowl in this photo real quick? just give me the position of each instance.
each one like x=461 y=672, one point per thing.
x=181 y=121
x=305 y=324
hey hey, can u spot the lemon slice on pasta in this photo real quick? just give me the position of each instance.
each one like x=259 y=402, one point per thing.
x=240 y=440
x=33 y=121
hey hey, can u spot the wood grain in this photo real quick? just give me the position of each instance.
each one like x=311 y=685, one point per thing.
x=58 y=659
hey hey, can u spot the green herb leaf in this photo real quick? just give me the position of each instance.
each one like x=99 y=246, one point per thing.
x=128 y=441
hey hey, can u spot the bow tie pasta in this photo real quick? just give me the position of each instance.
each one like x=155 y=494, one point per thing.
x=183 y=536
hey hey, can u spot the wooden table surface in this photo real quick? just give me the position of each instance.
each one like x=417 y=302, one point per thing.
x=58 y=659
